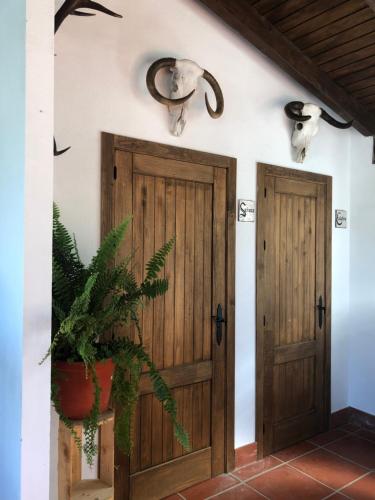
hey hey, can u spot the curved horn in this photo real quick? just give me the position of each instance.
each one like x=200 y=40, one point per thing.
x=293 y=111
x=56 y=152
x=165 y=62
x=218 y=94
x=329 y=119
x=69 y=7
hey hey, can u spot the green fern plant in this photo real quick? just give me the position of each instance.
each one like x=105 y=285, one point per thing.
x=87 y=303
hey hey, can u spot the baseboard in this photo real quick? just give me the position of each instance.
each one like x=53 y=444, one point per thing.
x=348 y=415
x=351 y=415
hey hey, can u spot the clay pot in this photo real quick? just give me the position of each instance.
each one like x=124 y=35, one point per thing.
x=76 y=391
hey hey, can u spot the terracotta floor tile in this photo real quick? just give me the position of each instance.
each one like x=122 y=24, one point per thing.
x=294 y=451
x=256 y=468
x=340 y=417
x=210 y=487
x=330 y=469
x=351 y=427
x=172 y=497
x=246 y=455
x=363 y=489
x=285 y=483
x=366 y=434
x=328 y=437
x=337 y=496
x=354 y=448
x=241 y=492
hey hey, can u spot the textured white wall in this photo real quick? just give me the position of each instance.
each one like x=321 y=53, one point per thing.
x=101 y=65
x=38 y=190
x=362 y=276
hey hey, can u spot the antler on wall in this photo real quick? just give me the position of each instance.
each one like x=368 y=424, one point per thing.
x=57 y=152
x=70 y=7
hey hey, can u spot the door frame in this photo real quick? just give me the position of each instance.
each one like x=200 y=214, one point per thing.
x=262 y=170
x=112 y=143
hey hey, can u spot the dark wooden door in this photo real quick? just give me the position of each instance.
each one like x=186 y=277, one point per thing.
x=293 y=333
x=170 y=197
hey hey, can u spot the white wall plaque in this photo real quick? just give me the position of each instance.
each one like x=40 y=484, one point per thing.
x=246 y=210
x=341 y=219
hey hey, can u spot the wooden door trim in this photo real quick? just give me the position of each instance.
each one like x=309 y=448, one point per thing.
x=112 y=143
x=297 y=175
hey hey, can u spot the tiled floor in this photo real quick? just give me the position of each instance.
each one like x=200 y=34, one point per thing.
x=338 y=464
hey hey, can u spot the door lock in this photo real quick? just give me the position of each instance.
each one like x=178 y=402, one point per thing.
x=219 y=320
x=321 y=311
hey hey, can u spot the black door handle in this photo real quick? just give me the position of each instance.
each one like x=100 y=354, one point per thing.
x=219 y=320
x=321 y=310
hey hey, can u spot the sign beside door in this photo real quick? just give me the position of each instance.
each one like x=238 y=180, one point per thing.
x=246 y=211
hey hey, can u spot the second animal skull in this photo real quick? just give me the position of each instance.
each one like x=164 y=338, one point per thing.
x=185 y=79
x=307 y=117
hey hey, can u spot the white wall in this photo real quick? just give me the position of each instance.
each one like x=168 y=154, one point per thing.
x=101 y=65
x=362 y=276
x=38 y=198
x=26 y=170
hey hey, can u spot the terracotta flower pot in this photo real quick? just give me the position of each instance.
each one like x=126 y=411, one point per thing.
x=76 y=392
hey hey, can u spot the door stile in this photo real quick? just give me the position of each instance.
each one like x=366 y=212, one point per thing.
x=218 y=297
x=230 y=314
x=320 y=332
x=121 y=183
x=328 y=279
x=260 y=315
x=269 y=313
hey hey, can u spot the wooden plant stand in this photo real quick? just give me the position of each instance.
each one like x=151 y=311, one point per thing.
x=71 y=485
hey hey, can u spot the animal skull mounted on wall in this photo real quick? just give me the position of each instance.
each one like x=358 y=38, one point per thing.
x=306 y=127
x=185 y=79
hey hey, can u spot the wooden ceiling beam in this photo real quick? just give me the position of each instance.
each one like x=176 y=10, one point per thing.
x=371 y=4
x=245 y=19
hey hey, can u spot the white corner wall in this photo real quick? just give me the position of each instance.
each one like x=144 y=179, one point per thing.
x=26 y=170
x=101 y=65
x=362 y=276
x=38 y=199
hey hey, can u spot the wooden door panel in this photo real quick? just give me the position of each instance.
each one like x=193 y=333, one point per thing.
x=294 y=268
x=189 y=195
x=291 y=276
x=164 y=207
x=186 y=200
x=180 y=473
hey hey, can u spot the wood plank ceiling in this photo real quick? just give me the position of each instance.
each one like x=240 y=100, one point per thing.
x=326 y=45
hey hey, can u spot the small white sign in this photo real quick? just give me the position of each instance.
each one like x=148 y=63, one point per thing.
x=246 y=211
x=341 y=217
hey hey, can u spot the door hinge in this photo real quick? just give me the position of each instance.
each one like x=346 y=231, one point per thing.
x=264 y=321
x=264 y=244
x=264 y=428
x=265 y=192
x=114 y=172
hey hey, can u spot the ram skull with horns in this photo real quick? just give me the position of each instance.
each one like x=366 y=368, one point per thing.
x=185 y=79
x=306 y=127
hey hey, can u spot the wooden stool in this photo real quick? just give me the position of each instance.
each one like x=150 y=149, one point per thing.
x=71 y=484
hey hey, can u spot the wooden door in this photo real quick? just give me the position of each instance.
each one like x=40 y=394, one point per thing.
x=293 y=333
x=173 y=192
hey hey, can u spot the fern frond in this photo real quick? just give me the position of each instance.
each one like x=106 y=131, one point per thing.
x=77 y=316
x=154 y=288
x=161 y=390
x=157 y=261
x=109 y=247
